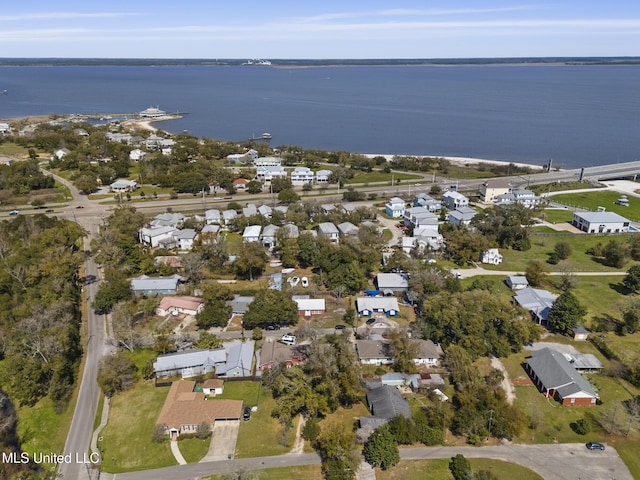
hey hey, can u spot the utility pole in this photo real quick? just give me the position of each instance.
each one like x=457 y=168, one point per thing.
x=490 y=421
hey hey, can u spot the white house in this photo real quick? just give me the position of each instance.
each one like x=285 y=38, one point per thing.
x=265 y=211
x=61 y=153
x=329 y=231
x=348 y=229
x=419 y=216
x=137 y=154
x=427 y=353
x=238 y=158
x=429 y=236
x=251 y=234
x=322 y=176
x=426 y=201
x=538 y=302
x=213 y=216
x=395 y=207
x=517 y=282
x=123 y=186
x=268 y=173
x=167 y=220
x=393 y=282
x=153 y=236
x=453 y=200
x=301 y=176
x=600 y=222
x=250 y=210
x=374 y=352
x=5 y=127
x=228 y=216
x=491 y=256
x=213 y=387
x=310 y=307
x=461 y=216
x=525 y=197
x=185 y=238
x=367 y=306
x=266 y=162
x=268 y=237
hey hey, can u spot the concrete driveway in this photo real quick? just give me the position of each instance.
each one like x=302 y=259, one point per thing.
x=223 y=440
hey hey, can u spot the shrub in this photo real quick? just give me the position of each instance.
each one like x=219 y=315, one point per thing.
x=158 y=434
x=581 y=427
x=203 y=431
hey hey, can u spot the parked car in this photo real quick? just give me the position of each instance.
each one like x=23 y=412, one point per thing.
x=595 y=446
x=273 y=327
x=340 y=327
x=246 y=415
x=371 y=321
x=80 y=206
x=294 y=281
x=49 y=210
x=305 y=282
x=288 y=339
x=13 y=212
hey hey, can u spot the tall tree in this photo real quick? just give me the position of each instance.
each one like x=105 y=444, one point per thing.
x=269 y=307
x=381 y=450
x=251 y=260
x=566 y=313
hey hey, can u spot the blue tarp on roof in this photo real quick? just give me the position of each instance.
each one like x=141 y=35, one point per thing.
x=372 y=293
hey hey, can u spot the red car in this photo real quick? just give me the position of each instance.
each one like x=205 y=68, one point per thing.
x=80 y=206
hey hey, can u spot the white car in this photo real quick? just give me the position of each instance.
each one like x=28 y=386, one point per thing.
x=294 y=281
x=13 y=212
x=305 y=282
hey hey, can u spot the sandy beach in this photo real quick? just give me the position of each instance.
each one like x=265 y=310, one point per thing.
x=462 y=160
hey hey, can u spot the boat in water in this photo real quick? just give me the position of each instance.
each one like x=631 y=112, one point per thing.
x=4 y=92
x=257 y=61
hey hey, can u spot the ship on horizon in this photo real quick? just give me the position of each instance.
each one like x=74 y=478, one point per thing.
x=257 y=61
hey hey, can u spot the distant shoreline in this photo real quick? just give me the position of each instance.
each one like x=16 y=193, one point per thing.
x=462 y=160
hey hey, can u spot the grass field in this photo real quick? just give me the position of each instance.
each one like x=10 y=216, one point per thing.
x=126 y=443
x=193 y=449
x=377 y=177
x=593 y=200
x=542 y=248
x=259 y=436
x=439 y=470
x=556 y=215
x=306 y=472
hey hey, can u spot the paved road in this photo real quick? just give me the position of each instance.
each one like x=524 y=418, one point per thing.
x=570 y=461
x=473 y=272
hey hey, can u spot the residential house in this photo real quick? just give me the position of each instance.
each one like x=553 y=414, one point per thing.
x=348 y=229
x=155 y=285
x=240 y=304
x=526 y=198
x=427 y=381
x=213 y=216
x=250 y=210
x=426 y=201
x=367 y=306
x=454 y=200
x=184 y=410
x=61 y=153
x=309 y=307
x=392 y=282
x=301 y=176
x=461 y=216
x=136 y=155
x=240 y=183
x=239 y=361
x=491 y=256
x=385 y=402
x=555 y=377
x=266 y=162
x=491 y=189
x=395 y=207
x=123 y=186
x=268 y=173
x=322 y=176
x=427 y=353
x=505 y=199
x=419 y=217
x=185 y=238
x=273 y=353
x=269 y=236
x=265 y=211
x=374 y=352
x=428 y=236
x=167 y=219
x=600 y=222
x=209 y=234
x=517 y=282
x=180 y=304
x=328 y=207
x=290 y=230
x=228 y=216
x=213 y=386
x=349 y=208
x=238 y=158
x=190 y=363
x=275 y=281
x=153 y=236
x=537 y=301
x=251 y=234
x=329 y=231
x=5 y=127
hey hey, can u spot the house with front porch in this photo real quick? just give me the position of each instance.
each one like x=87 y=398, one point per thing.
x=367 y=306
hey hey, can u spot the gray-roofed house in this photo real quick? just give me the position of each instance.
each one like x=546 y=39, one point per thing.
x=374 y=352
x=580 y=333
x=453 y=200
x=395 y=207
x=265 y=211
x=419 y=216
x=426 y=201
x=155 y=285
x=228 y=216
x=167 y=219
x=554 y=376
x=251 y=234
x=348 y=229
x=190 y=363
x=517 y=282
x=427 y=353
x=213 y=216
x=367 y=306
x=240 y=304
x=329 y=231
x=185 y=238
x=250 y=210
x=239 y=361
x=322 y=176
x=394 y=282
x=385 y=402
x=152 y=236
x=600 y=222
x=268 y=237
x=537 y=301
x=461 y=216
x=290 y=230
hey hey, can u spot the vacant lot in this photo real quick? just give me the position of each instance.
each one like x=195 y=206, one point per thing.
x=439 y=470
x=376 y=177
x=607 y=199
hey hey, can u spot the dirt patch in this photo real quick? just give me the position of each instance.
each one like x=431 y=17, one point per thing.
x=506 y=384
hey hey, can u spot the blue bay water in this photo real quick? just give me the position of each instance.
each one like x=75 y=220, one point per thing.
x=576 y=115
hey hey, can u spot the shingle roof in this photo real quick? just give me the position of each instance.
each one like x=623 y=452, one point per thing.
x=392 y=280
x=192 y=358
x=386 y=402
x=555 y=372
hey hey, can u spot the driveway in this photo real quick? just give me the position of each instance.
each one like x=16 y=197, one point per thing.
x=223 y=440
x=555 y=346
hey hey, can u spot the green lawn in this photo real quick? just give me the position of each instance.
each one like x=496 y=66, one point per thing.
x=606 y=199
x=626 y=347
x=555 y=215
x=193 y=449
x=599 y=294
x=542 y=247
x=259 y=436
x=376 y=176
x=306 y=472
x=439 y=470
x=126 y=442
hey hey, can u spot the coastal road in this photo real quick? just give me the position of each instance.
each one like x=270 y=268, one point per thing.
x=552 y=462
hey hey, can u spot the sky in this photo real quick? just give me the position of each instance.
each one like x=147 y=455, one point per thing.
x=326 y=29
